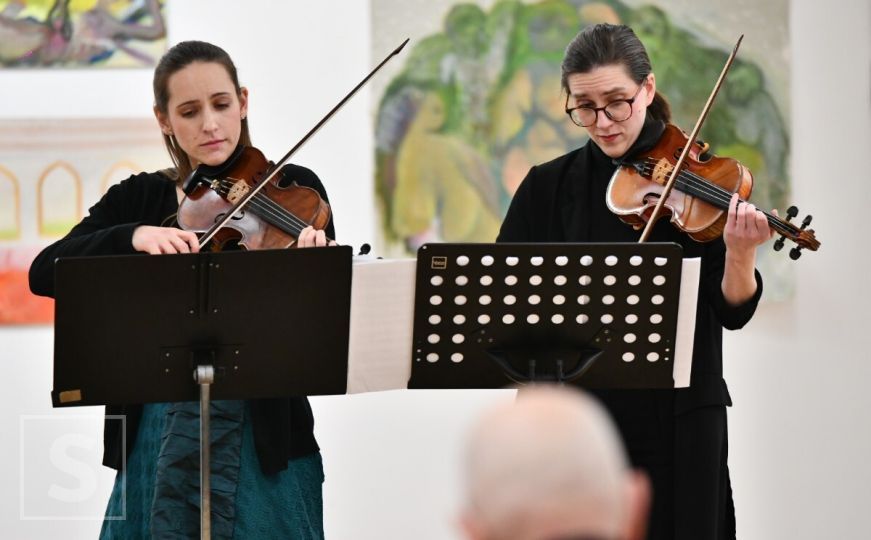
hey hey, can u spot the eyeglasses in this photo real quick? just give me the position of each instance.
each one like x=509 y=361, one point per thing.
x=618 y=110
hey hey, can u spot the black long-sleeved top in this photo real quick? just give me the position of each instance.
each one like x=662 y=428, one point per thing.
x=283 y=427
x=564 y=201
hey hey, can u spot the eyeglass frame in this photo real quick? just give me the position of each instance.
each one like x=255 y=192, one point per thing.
x=604 y=109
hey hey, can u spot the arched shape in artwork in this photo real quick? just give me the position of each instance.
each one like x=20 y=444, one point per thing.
x=10 y=205
x=118 y=172
x=59 y=199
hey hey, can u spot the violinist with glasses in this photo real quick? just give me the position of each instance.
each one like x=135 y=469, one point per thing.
x=678 y=437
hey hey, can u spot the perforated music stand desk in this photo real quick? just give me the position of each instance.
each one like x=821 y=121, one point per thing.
x=260 y=324
x=594 y=315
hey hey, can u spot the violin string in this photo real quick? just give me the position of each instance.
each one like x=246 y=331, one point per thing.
x=281 y=211
x=724 y=197
x=701 y=187
x=260 y=209
x=279 y=214
x=288 y=218
x=271 y=212
x=693 y=184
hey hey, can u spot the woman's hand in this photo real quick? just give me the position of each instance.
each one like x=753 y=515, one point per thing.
x=309 y=237
x=164 y=240
x=746 y=228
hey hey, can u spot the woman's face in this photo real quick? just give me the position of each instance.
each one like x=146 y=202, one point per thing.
x=204 y=112
x=606 y=84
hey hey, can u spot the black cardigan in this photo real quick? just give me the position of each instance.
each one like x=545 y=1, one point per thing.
x=564 y=201
x=283 y=428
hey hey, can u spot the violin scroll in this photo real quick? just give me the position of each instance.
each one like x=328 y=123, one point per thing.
x=802 y=236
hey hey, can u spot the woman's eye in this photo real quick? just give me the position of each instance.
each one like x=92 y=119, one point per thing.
x=188 y=113
x=221 y=106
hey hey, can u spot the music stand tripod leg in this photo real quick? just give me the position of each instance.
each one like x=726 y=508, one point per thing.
x=205 y=376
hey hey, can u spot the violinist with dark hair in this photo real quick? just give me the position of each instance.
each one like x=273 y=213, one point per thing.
x=267 y=475
x=678 y=437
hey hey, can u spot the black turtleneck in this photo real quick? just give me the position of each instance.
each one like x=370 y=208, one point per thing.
x=587 y=182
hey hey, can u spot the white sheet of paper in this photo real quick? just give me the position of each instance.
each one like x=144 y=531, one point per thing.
x=686 y=321
x=382 y=320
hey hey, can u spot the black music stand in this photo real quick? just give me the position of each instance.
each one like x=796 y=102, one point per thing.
x=594 y=315
x=235 y=325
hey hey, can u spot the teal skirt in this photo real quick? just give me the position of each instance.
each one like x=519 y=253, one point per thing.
x=158 y=495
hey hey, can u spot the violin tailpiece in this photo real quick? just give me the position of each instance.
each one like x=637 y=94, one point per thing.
x=661 y=172
x=237 y=191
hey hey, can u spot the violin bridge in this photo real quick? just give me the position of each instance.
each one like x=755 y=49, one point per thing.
x=661 y=172
x=237 y=191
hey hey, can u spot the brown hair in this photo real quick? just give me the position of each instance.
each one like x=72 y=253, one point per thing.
x=609 y=44
x=176 y=59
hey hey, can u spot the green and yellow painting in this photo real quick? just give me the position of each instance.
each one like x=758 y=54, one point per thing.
x=477 y=101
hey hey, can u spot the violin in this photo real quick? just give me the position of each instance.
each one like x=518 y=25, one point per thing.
x=272 y=219
x=642 y=187
x=699 y=202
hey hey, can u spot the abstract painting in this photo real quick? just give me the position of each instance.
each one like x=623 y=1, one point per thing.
x=81 y=33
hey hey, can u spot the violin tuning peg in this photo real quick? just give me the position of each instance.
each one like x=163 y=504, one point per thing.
x=791 y=212
x=795 y=253
x=778 y=244
x=806 y=221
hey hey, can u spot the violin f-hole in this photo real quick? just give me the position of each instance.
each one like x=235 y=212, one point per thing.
x=237 y=216
x=650 y=198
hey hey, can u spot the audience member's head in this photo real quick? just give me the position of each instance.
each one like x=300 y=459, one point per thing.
x=550 y=466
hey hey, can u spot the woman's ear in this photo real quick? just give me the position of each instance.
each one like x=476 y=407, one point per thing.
x=650 y=83
x=243 y=103
x=165 y=127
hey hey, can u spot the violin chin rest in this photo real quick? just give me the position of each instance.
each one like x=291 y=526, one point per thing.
x=203 y=172
x=192 y=181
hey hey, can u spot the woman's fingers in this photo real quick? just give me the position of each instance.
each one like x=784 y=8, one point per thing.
x=309 y=237
x=164 y=240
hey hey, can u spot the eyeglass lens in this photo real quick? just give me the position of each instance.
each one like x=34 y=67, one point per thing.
x=617 y=111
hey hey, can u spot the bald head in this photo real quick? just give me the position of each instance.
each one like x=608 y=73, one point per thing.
x=549 y=466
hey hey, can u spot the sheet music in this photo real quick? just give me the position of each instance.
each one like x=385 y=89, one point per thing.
x=382 y=320
x=686 y=321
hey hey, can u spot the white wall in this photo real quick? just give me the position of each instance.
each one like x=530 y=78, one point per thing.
x=798 y=372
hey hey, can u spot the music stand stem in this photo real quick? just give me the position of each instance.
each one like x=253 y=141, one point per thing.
x=205 y=376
